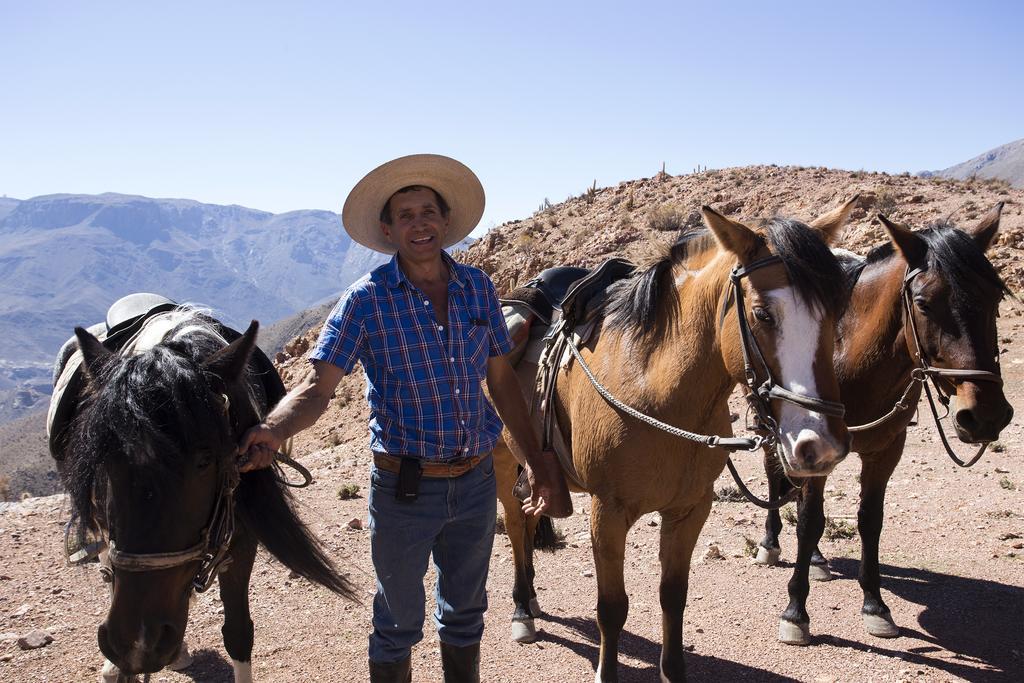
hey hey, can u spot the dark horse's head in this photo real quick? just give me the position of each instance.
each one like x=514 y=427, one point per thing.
x=954 y=304
x=158 y=429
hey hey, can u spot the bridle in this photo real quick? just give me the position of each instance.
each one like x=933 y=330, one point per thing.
x=926 y=371
x=758 y=395
x=215 y=539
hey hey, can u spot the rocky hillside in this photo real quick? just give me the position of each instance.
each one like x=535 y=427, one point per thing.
x=625 y=220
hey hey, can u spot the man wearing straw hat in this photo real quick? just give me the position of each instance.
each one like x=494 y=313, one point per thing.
x=427 y=331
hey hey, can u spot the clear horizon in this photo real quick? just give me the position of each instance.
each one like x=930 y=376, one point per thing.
x=280 y=109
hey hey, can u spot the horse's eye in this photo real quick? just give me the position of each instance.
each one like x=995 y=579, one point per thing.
x=764 y=315
x=922 y=304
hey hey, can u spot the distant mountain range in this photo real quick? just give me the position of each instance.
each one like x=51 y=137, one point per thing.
x=65 y=258
x=1005 y=162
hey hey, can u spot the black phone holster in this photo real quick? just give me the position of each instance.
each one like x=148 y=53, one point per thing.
x=409 y=473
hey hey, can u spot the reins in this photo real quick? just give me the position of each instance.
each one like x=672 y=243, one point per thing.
x=924 y=372
x=758 y=395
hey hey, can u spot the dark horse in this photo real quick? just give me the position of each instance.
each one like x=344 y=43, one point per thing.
x=927 y=299
x=151 y=463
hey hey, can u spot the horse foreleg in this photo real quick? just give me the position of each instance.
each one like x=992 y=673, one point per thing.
x=876 y=468
x=768 y=550
x=520 y=534
x=678 y=537
x=234 y=593
x=795 y=624
x=608 y=528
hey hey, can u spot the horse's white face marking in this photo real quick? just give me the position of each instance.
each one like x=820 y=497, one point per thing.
x=243 y=671
x=797 y=346
x=137 y=650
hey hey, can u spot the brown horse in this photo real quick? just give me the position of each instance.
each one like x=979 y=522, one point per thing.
x=667 y=344
x=927 y=299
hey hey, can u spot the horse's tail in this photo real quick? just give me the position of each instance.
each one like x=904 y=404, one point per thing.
x=268 y=509
x=545 y=537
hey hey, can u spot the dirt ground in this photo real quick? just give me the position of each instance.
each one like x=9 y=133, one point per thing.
x=951 y=553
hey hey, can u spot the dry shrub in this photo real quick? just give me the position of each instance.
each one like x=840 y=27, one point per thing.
x=667 y=217
x=885 y=203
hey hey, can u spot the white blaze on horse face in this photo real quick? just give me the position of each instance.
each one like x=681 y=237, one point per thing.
x=808 y=446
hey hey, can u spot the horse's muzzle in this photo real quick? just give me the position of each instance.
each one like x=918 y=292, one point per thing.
x=151 y=649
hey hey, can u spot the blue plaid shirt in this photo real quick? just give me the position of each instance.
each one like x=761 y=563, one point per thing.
x=423 y=378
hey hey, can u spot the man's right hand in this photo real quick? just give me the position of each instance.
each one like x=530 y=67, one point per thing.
x=258 y=447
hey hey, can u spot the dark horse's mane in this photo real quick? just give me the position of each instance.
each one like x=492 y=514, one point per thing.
x=972 y=277
x=154 y=409
x=814 y=273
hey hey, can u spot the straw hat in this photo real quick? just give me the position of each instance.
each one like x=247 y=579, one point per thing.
x=451 y=179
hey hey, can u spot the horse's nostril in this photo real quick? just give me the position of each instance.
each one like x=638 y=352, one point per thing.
x=168 y=638
x=965 y=419
x=805 y=452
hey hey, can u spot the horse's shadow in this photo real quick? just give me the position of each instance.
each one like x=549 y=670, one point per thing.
x=209 y=666
x=698 y=667
x=980 y=621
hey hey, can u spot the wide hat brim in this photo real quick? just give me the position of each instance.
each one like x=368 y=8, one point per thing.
x=451 y=179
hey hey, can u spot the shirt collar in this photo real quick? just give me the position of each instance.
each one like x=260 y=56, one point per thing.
x=394 y=275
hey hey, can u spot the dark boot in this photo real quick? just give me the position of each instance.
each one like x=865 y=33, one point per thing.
x=460 y=664
x=391 y=672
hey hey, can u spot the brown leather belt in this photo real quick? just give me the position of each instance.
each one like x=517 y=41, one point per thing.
x=434 y=470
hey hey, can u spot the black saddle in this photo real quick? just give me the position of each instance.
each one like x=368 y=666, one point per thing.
x=569 y=289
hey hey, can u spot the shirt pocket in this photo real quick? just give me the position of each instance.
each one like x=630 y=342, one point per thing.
x=477 y=345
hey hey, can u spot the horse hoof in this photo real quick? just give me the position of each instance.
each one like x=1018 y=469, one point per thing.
x=768 y=556
x=881 y=625
x=524 y=631
x=535 y=608
x=819 y=572
x=111 y=674
x=183 y=660
x=792 y=633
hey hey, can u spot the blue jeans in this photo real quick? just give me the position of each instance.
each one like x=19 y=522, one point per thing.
x=453 y=520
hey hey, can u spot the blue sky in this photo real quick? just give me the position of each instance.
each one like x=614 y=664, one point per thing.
x=283 y=106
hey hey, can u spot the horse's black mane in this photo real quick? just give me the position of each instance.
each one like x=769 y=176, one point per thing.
x=971 y=275
x=150 y=410
x=813 y=271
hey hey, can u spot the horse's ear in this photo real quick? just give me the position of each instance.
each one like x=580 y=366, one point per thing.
x=229 y=363
x=831 y=223
x=733 y=236
x=913 y=249
x=94 y=353
x=987 y=228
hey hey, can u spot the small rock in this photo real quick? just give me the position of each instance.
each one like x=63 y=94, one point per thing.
x=6 y=658
x=652 y=522
x=1018 y=546
x=35 y=640
x=699 y=630
x=21 y=611
x=713 y=553
x=1009 y=536
x=293 y=574
x=355 y=523
x=587 y=572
